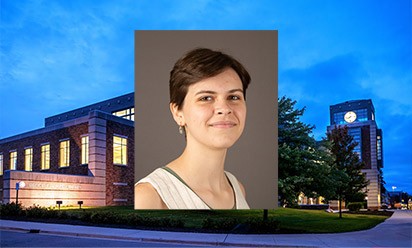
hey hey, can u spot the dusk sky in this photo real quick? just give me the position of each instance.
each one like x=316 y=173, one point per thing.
x=60 y=55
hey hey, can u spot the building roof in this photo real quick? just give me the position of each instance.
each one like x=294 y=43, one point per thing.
x=108 y=106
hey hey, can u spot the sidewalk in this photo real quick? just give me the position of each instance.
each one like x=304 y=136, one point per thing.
x=394 y=232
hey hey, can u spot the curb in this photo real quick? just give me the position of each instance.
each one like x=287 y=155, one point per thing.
x=152 y=240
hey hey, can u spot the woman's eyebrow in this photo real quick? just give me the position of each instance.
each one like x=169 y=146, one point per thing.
x=214 y=92
x=205 y=92
x=235 y=90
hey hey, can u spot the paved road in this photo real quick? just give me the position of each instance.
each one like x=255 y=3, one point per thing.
x=394 y=232
x=25 y=239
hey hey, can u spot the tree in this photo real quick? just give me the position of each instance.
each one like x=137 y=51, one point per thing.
x=301 y=165
x=349 y=181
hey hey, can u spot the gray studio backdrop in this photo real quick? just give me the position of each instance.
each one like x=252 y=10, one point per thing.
x=253 y=159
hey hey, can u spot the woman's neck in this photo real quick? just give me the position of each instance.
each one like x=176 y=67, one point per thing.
x=201 y=167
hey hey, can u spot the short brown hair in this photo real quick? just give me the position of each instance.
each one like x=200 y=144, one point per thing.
x=199 y=64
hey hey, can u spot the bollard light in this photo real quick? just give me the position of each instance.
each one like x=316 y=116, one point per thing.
x=58 y=203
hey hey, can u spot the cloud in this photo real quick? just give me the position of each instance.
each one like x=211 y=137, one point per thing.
x=61 y=49
x=334 y=78
x=57 y=56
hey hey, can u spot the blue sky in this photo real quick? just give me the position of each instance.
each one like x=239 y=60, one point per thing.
x=61 y=55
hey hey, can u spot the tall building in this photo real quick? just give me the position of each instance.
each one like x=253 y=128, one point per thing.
x=359 y=117
x=84 y=155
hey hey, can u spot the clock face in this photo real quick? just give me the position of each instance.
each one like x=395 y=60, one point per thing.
x=350 y=116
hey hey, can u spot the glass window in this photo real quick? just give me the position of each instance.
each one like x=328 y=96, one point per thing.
x=119 y=150
x=125 y=113
x=1 y=164
x=64 y=153
x=362 y=114
x=338 y=118
x=357 y=137
x=13 y=160
x=45 y=157
x=85 y=150
x=379 y=147
x=28 y=159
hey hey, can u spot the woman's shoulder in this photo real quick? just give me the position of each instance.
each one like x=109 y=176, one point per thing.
x=146 y=195
x=236 y=183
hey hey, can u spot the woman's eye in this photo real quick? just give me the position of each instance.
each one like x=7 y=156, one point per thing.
x=234 y=97
x=206 y=98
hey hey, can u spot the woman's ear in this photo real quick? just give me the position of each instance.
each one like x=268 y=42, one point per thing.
x=177 y=114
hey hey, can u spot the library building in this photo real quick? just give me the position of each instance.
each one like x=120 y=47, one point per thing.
x=80 y=157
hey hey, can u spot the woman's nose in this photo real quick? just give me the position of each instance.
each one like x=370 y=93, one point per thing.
x=222 y=109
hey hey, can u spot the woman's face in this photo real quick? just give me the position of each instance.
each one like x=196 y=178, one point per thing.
x=214 y=111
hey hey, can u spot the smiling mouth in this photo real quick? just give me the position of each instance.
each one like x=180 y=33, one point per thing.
x=223 y=124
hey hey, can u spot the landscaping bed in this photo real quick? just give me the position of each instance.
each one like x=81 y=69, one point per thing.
x=282 y=220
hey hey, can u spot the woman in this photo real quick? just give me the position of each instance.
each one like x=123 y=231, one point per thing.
x=207 y=101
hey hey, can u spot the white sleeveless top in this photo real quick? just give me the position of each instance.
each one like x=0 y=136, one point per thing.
x=177 y=195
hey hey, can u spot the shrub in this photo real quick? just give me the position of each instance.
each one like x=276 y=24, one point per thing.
x=41 y=212
x=104 y=218
x=134 y=219
x=11 y=209
x=219 y=224
x=62 y=214
x=245 y=225
x=86 y=216
x=355 y=206
x=175 y=223
x=257 y=225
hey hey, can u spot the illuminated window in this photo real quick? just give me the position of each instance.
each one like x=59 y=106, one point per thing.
x=338 y=118
x=362 y=114
x=28 y=159
x=85 y=150
x=1 y=164
x=119 y=150
x=45 y=157
x=125 y=113
x=379 y=147
x=13 y=160
x=64 y=153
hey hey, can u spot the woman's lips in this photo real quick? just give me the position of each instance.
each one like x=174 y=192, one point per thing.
x=223 y=124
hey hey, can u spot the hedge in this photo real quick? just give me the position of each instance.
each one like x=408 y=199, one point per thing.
x=355 y=206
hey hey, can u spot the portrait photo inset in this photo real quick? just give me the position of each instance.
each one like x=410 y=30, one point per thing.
x=205 y=120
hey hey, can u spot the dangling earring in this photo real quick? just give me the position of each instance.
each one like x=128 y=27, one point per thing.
x=181 y=130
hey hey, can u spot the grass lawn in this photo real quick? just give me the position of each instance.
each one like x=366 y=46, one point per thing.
x=291 y=220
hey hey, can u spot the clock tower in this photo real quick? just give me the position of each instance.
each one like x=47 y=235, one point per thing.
x=359 y=117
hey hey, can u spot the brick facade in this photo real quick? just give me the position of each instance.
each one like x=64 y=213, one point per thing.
x=120 y=178
x=98 y=183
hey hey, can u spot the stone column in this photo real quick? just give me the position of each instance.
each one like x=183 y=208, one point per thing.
x=97 y=151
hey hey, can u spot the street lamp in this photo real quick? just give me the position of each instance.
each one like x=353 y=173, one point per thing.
x=393 y=188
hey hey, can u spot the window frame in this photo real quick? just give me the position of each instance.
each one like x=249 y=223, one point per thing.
x=64 y=153
x=45 y=156
x=123 y=150
x=84 y=150
x=28 y=159
x=13 y=159
x=1 y=164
